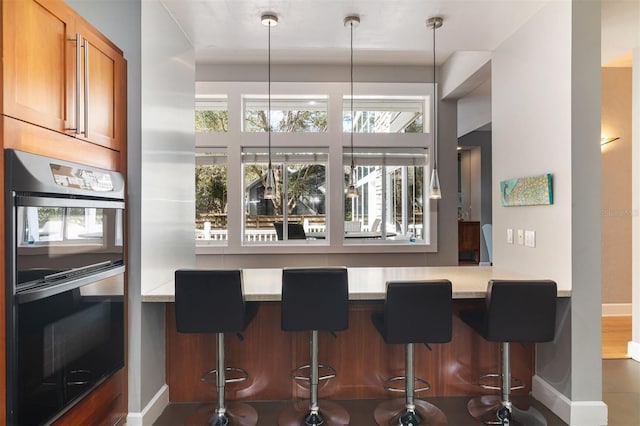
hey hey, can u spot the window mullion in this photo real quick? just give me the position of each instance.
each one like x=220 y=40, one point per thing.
x=405 y=200
x=283 y=202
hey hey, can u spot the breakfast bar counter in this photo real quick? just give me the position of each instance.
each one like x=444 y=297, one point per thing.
x=360 y=356
x=367 y=283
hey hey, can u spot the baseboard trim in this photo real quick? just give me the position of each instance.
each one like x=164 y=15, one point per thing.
x=152 y=410
x=633 y=350
x=582 y=413
x=616 y=309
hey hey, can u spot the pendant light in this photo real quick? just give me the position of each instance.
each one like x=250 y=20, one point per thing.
x=352 y=22
x=434 y=185
x=269 y=20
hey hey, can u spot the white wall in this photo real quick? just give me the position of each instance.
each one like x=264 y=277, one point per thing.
x=474 y=112
x=167 y=179
x=546 y=119
x=160 y=208
x=531 y=107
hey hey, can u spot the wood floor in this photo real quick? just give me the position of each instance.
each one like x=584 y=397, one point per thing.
x=616 y=333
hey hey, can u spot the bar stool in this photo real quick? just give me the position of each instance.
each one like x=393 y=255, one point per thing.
x=515 y=311
x=211 y=301
x=314 y=299
x=414 y=312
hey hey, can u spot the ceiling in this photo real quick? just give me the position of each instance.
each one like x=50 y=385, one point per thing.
x=312 y=31
x=391 y=31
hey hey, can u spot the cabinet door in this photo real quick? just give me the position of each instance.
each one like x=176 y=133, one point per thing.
x=102 y=95
x=39 y=60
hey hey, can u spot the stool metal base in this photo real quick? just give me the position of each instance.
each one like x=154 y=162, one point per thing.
x=490 y=410
x=237 y=414
x=299 y=414
x=393 y=412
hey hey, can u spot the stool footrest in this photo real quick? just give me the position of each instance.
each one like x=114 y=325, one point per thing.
x=243 y=375
x=331 y=372
x=517 y=383
x=388 y=384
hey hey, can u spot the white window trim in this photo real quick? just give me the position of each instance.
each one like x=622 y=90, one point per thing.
x=335 y=139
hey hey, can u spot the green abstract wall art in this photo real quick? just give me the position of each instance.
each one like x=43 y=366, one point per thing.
x=527 y=191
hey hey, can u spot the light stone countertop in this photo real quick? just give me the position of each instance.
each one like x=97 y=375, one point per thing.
x=468 y=282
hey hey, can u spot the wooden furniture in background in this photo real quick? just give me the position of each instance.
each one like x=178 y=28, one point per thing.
x=468 y=243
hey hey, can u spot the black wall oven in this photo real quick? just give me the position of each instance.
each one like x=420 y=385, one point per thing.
x=64 y=283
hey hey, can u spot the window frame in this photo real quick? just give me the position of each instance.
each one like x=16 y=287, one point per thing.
x=337 y=141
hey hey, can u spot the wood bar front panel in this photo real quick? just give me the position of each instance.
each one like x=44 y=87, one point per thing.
x=362 y=360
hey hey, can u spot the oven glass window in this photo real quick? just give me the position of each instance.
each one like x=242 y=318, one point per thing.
x=53 y=239
x=48 y=224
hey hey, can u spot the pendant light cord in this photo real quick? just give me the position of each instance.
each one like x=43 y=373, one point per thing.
x=435 y=109
x=269 y=96
x=352 y=115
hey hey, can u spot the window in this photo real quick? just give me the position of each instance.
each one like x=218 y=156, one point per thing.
x=211 y=113
x=384 y=115
x=290 y=114
x=390 y=202
x=310 y=147
x=211 y=195
x=299 y=211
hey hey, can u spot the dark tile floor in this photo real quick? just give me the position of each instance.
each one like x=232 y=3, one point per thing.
x=361 y=412
x=620 y=389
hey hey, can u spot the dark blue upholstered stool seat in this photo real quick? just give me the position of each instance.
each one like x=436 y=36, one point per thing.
x=514 y=312
x=414 y=312
x=313 y=300
x=211 y=301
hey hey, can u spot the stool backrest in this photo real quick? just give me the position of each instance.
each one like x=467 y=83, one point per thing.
x=209 y=301
x=418 y=312
x=521 y=311
x=315 y=299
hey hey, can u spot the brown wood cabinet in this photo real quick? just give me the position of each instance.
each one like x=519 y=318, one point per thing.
x=468 y=243
x=42 y=103
x=60 y=73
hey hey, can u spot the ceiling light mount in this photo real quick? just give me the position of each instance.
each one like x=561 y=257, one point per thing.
x=434 y=22
x=269 y=19
x=352 y=21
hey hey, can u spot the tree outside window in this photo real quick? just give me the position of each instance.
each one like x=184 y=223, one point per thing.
x=300 y=191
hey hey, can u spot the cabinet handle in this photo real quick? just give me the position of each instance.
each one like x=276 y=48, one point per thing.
x=76 y=119
x=86 y=88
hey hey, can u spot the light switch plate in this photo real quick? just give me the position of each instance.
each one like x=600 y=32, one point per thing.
x=529 y=238
x=520 y=236
x=509 y=236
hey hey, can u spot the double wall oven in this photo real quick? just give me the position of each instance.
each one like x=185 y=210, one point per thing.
x=64 y=283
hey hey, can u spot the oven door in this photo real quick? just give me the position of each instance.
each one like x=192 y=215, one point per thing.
x=56 y=239
x=69 y=337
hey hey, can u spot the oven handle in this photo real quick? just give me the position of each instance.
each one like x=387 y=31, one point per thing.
x=31 y=201
x=48 y=291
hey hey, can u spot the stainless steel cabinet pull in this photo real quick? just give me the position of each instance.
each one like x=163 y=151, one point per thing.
x=86 y=88
x=76 y=118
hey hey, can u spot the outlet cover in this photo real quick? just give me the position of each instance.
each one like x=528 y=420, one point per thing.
x=529 y=238
x=520 y=236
